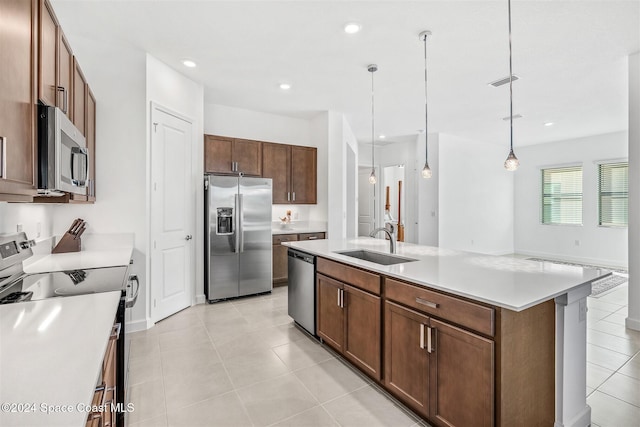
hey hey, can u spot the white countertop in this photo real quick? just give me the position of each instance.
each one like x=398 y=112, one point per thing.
x=297 y=227
x=51 y=354
x=511 y=283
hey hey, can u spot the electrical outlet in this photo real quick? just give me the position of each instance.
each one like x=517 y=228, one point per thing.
x=19 y=228
x=38 y=229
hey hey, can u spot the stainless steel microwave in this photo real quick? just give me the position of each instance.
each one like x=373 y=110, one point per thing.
x=63 y=163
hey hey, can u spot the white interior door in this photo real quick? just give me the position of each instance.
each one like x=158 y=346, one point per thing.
x=172 y=213
x=366 y=203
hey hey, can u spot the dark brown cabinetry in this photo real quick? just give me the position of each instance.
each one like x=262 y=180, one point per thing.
x=79 y=98
x=48 y=55
x=65 y=76
x=232 y=155
x=436 y=368
x=348 y=314
x=18 y=42
x=293 y=170
x=104 y=397
x=90 y=134
x=280 y=260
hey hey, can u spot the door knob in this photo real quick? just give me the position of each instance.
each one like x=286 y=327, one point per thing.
x=189 y=237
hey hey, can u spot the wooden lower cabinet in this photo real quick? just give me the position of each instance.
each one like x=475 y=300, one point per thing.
x=104 y=399
x=280 y=266
x=447 y=378
x=349 y=321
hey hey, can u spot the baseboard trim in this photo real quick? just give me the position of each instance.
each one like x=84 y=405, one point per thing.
x=137 y=326
x=632 y=323
x=201 y=299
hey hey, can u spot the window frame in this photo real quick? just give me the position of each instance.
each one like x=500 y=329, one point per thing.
x=599 y=164
x=541 y=193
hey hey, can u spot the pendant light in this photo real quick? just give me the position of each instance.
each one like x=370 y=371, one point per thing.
x=512 y=161
x=372 y=178
x=426 y=170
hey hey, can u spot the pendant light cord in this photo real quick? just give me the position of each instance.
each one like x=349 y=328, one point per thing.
x=510 y=83
x=372 y=70
x=426 y=108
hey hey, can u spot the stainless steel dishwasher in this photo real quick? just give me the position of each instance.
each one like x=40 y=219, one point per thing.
x=302 y=289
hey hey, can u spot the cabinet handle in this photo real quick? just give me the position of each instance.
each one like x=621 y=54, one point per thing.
x=429 y=347
x=288 y=196
x=427 y=303
x=115 y=331
x=3 y=156
x=312 y=237
x=422 y=336
x=294 y=196
x=339 y=298
x=65 y=98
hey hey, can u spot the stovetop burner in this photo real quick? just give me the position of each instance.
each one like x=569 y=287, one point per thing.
x=16 y=297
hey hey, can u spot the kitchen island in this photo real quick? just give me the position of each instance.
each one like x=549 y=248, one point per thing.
x=461 y=338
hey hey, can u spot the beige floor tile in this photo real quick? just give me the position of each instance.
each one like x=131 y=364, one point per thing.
x=617 y=318
x=616 y=330
x=618 y=296
x=185 y=319
x=278 y=335
x=240 y=345
x=184 y=338
x=602 y=305
x=159 y=421
x=274 y=400
x=611 y=342
x=255 y=367
x=606 y=358
x=632 y=367
x=225 y=410
x=219 y=313
x=590 y=390
x=367 y=407
x=607 y=411
x=314 y=417
x=191 y=358
x=225 y=329
x=330 y=379
x=594 y=314
x=143 y=369
x=303 y=353
x=144 y=345
x=193 y=386
x=148 y=400
x=623 y=387
x=267 y=319
x=596 y=375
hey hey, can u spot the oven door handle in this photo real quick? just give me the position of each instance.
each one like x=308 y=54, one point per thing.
x=130 y=302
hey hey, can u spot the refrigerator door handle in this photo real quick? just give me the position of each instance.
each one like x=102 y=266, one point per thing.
x=240 y=223
x=237 y=226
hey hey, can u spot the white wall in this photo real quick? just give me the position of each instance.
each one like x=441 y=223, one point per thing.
x=598 y=245
x=34 y=219
x=427 y=201
x=475 y=196
x=243 y=123
x=172 y=90
x=633 y=319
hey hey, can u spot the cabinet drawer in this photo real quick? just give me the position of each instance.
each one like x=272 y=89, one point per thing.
x=362 y=279
x=311 y=236
x=465 y=313
x=279 y=238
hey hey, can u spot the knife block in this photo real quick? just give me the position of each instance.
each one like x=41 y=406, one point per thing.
x=68 y=243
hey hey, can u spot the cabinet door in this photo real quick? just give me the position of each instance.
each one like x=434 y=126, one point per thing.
x=462 y=376
x=362 y=330
x=17 y=95
x=330 y=313
x=218 y=154
x=248 y=156
x=276 y=164
x=406 y=361
x=91 y=144
x=280 y=264
x=304 y=174
x=65 y=75
x=47 y=55
x=79 y=97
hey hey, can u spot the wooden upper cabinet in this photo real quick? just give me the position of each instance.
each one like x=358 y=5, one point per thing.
x=231 y=155
x=65 y=75
x=47 y=54
x=18 y=85
x=91 y=144
x=79 y=97
x=304 y=174
x=276 y=164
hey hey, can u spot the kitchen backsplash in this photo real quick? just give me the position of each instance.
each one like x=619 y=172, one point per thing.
x=35 y=220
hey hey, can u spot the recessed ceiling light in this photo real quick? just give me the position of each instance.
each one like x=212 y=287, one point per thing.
x=188 y=63
x=285 y=86
x=352 y=28
x=549 y=124
x=382 y=136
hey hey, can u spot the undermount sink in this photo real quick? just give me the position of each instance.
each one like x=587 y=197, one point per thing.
x=376 y=257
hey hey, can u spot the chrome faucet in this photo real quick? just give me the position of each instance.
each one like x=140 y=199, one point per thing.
x=392 y=239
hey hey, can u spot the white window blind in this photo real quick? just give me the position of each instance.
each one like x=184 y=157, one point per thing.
x=562 y=195
x=613 y=194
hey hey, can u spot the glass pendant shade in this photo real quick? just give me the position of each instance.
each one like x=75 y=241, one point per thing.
x=372 y=177
x=511 y=163
x=426 y=171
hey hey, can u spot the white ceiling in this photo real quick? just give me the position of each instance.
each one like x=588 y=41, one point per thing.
x=570 y=56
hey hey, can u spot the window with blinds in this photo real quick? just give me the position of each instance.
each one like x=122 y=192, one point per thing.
x=562 y=195
x=613 y=194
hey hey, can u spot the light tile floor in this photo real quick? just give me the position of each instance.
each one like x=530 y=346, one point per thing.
x=244 y=363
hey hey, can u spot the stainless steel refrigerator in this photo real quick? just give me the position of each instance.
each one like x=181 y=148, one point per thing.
x=238 y=244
